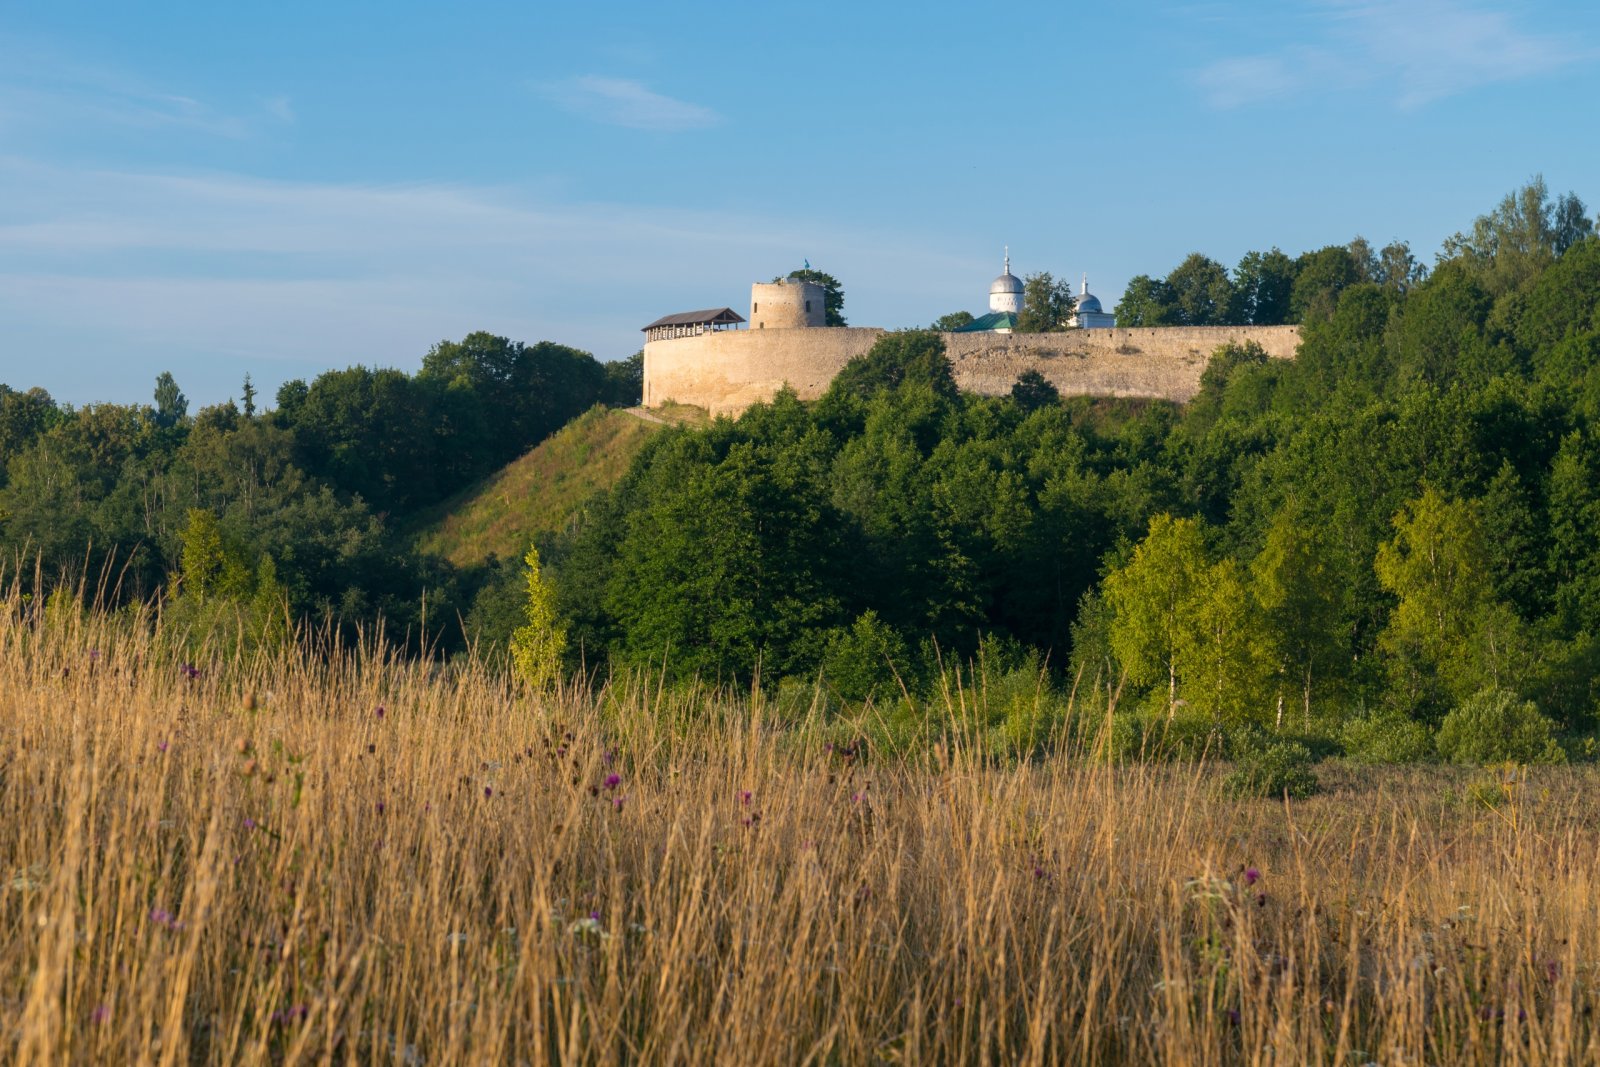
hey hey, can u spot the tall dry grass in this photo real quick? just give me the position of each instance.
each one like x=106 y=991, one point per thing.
x=255 y=864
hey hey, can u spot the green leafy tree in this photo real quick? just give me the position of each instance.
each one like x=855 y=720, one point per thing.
x=1320 y=277
x=1219 y=660
x=896 y=358
x=1437 y=335
x=1201 y=291
x=1262 y=284
x=1305 y=636
x=865 y=661
x=1447 y=620
x=952 y=322
x=203 y=564
x=833 y=293
x=1046 y=304
x=1146 y=301
x=1574 y=531
x=1032 y=391
x=1397 y=269
x=538 y=645
x=171 y=405
x=625 y=381
x=24 y=416
x=1518 y=239
x=1153 y=603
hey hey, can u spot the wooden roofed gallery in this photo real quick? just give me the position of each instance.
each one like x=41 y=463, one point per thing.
x=692 y=323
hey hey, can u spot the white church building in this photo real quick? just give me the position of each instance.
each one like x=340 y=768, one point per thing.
x=1005 y=305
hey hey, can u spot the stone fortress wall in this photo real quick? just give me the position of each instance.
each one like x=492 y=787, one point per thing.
x=727 y=372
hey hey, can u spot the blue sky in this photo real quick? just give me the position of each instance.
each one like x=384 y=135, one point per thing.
x=219 y=188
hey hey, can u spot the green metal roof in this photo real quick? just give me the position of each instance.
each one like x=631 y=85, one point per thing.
x=995 y=320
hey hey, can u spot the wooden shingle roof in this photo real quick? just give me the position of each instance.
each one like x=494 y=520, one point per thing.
x=708 y=317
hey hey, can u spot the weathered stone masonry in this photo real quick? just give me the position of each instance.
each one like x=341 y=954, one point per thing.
x=727 y=372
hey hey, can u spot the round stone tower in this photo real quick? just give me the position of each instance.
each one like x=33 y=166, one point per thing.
x=787 y=304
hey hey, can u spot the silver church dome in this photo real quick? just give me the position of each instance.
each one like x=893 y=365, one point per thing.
x=1089 y=302
x=1006 y=283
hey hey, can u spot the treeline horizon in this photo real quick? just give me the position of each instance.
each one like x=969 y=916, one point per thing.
x=1356 y=545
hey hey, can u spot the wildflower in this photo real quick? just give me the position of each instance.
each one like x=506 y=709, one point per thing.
x=611 y=754
x=94 y=654
x=487 y=792
x=380 y=807
x=617 y=803
x=613 y=780
x=249 y=823
x=101 y=1014
x=744 y=798
x=161 y=746
x=380 y=711
x=1251 y=876
x=1261 y=900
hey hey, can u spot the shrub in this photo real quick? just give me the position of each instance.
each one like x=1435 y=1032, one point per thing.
x=1387 y=737
x=860 y=663
x=1150 y=735
x=1495 y=727
x=1272 y=769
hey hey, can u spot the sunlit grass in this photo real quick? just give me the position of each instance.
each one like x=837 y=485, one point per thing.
x=338 y=857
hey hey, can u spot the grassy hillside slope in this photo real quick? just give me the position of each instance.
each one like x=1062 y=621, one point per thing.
x=538 y=492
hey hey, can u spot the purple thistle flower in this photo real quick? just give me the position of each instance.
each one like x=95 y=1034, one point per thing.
x=613 y=780
x=744 y=798
x=161 y=746
x=249 y=823
x=1251 y=876
x=617 y=803
x=380 y=711
x=101 y=1014
x=594 y=913
x=380 y=807
x=487 y=792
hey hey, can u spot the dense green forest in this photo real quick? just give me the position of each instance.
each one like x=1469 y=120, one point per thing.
x=1391 y=543
x=304 y=505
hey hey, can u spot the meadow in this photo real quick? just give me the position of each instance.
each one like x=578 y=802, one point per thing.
x=328 y=855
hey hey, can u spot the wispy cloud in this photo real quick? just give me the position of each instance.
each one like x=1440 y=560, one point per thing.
x=210 y=275
x=1419 y=51
x=279 y=108
x=41 y=90
x=624 y=102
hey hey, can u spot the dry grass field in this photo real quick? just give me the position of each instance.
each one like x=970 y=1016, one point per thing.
x=339 y=858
